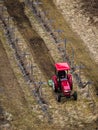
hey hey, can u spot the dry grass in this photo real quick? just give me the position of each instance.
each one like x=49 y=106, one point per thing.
x=12 y=98
x=15 y=96
x=82 y=54
x=34 y=41
x=28 y=120
x=90 y=7
x=25 y=118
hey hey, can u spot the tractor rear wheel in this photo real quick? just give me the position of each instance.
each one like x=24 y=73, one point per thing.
x=59 y=98
x=75 y=95
x=54 y=88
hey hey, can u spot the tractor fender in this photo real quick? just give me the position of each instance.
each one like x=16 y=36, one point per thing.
x=53 y=86
x=70 y=80
x=54 y=79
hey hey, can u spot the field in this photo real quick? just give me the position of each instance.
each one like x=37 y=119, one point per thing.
x=16 y=97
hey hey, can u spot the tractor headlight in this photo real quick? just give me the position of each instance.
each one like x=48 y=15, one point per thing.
x=66 y=91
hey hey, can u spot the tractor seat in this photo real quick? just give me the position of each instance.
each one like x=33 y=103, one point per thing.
x=62 y=74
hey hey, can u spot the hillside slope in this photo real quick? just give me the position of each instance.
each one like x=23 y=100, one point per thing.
x=25 y=110
x=82 y=17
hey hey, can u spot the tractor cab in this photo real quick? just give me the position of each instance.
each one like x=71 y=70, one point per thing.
x=61 y=70
x=61 y=73
x=62 y=81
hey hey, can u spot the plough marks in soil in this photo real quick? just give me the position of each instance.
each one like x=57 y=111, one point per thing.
x=37 y=45
x=39 y=50
x=9 y=81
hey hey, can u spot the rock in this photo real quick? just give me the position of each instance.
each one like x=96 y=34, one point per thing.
x=6 y=126
x=95 y=19
x=8 y=116
x=40 y=117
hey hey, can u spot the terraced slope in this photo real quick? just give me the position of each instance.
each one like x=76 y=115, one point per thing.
x=67 y=115
x=82 y=54
x=39 y=49
x=12 y=97
x=18 y=108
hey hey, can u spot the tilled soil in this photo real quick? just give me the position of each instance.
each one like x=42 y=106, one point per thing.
x=39 y=49
x=11 y=93
x=86 y=49
x=68 y=116
x=8 y=80
x=90 y=8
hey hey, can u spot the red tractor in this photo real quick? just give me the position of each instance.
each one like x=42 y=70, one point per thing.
x=62 y=82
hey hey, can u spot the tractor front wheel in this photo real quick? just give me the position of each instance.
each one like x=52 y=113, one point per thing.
x=59 y=98
x=75 y=95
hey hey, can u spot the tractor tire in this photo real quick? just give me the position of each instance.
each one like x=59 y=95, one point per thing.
x=59 y=98
x=75 y=95
x=54 y=88
x=72 y=87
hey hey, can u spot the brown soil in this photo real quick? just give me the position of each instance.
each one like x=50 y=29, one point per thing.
x=90 y=7
x=42 y=57
x=11 y=96
x=82 y=54
x=8 y=80
x=13 y=101
x=39 y=49
x=37 y=45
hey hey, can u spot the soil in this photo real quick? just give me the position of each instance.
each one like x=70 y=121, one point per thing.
x=69 y=115
x=86 y=49
x=90 y=8
x=82 y=23
x=8 y=80
x=10 y=88
x=44 y=60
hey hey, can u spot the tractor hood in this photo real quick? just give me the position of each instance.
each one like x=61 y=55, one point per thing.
x=65 y=85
